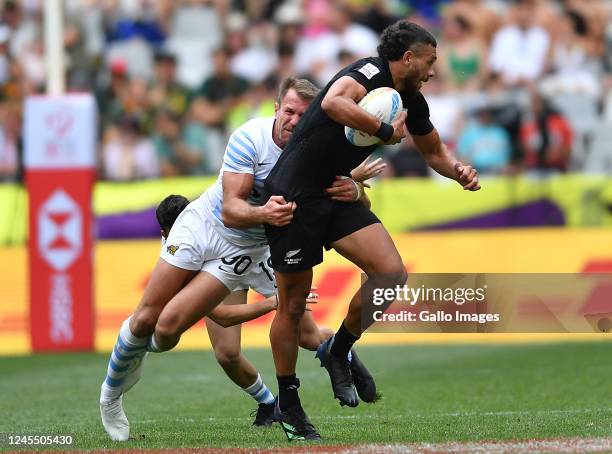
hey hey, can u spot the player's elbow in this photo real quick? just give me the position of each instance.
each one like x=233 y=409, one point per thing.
x=228 y=219
x=329 y=105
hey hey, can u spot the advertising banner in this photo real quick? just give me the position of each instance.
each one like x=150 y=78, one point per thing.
x=60 y=134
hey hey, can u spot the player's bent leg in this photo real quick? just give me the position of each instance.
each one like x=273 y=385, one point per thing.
x=385 y=269
x=226 y=345
x=200 y=296
x=127 y=359
x=165 y=283
x=382 y=264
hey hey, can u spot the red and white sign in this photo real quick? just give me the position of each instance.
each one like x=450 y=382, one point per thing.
x=60 y=142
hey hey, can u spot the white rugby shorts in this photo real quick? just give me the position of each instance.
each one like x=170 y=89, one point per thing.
x=194 y=243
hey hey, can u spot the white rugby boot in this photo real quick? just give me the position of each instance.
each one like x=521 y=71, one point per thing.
x=114 y=420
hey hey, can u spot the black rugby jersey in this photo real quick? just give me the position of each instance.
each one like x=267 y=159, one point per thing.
x=318 y=149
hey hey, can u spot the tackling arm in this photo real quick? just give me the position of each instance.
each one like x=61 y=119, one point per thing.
x=234 y=314
x=238 y=213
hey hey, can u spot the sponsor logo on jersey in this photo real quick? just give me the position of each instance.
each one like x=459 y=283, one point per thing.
x=369 y=70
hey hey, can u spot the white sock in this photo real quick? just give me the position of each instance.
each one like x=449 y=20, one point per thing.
x=127 y=350
x=153 y=346
x=260 y=392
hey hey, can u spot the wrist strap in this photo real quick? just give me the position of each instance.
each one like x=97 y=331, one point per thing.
x=385 y=132
x=359 y=190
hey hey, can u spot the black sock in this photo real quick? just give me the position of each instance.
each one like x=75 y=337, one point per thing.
x=343 y=342
x=288 y=391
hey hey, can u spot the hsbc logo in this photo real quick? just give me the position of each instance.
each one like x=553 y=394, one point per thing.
x=59 y=230
x=60 y=122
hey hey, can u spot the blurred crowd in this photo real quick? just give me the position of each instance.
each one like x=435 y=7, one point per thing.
x=520 y=86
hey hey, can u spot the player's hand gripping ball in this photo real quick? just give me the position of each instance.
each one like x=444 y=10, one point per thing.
x=385 y=104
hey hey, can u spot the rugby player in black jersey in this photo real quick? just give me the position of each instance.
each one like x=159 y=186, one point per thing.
x=317 y=153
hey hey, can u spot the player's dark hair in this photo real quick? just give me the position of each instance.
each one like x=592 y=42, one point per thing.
x=303 y=87
x=401 y=36
x=169 y=209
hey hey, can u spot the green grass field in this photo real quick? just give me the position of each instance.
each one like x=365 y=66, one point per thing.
x=431 y=394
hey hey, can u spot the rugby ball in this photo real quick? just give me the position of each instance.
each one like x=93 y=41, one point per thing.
x=385 y=104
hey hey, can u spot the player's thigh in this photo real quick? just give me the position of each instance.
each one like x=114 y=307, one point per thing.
x=200 y=296
x=165 y=283
x=226 y=341
x=179 y=260
x=371 y=249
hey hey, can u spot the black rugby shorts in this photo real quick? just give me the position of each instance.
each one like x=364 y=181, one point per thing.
x=316 y=224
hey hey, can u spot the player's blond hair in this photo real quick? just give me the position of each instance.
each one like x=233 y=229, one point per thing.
x=304 y=88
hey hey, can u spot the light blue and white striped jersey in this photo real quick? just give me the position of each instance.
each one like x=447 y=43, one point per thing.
x=250 y=150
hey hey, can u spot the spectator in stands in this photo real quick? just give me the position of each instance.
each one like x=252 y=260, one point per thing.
x=463 y=57
x=141 y=20
x=355 y=38
x=166 y=92
x=220 y=91
x=289 y=19
x=258 y=102
x=485 y=144
x=596 y=15
x=316 y=52
x=404 y=160
x=112 y=85
x=519 y=50
x=445 y=109
x=374 y=14
x=166 y=140
x=152 y=63
x=482 y=18
x=5 y=60
x=127 y=154
x=252 y=48
x=10 y=128
x=546 y=138
x=574 y=70
x=135 y=101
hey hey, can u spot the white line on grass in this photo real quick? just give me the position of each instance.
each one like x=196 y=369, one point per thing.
x=573 y=411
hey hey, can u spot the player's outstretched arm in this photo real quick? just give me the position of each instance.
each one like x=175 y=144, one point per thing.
x=340 y=103
x=442 y=161
x=234 y=314
x=238 y=213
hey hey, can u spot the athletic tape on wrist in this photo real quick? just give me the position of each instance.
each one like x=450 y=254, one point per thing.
x=385 y=132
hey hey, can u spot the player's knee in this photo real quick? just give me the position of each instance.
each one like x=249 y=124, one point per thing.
x=227 y=356
x=294 y=308
x=390 y=274
x=143 y=323
x=399 y=276
x=167 y=328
